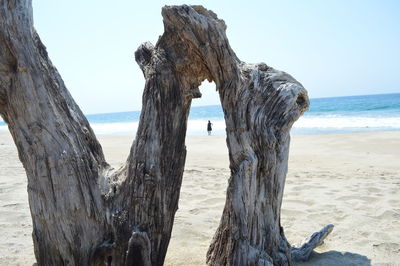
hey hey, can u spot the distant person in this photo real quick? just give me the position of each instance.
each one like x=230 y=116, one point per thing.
x=209 y=128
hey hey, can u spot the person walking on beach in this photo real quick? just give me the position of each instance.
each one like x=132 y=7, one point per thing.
x=209 y=128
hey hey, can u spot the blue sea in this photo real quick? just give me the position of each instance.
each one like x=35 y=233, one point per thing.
x=326 y=115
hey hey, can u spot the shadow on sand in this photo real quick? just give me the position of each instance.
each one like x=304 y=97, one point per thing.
x=334 y=258
x=330 y=258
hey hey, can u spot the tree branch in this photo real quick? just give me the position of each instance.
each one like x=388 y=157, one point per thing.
x=303 y=252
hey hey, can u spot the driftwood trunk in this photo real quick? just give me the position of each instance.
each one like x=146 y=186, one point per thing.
x=86 y=213
x=83 y=211
x=260 y=105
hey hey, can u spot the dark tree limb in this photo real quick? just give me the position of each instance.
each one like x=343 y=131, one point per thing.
x=139 y=250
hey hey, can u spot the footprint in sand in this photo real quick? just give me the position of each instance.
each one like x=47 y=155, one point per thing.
x=196 y=210
x=388 y=215
x=394 y=202
x=386 y=249
x=213 y=201
x=339 y=215
x=292 y=213
x=300 y=202
x=192 y=171
x=373 y=190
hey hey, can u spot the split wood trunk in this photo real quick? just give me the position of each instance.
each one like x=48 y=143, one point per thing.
x=260 y=105
x=83 y=211
x=86 y=213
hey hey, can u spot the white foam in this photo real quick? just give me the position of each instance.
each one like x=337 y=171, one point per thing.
x=347 y=122
x=115 y=128
x=308 y=123
x=195 y=127
x=199 y=127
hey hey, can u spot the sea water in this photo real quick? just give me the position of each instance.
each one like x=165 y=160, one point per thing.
x=326 y=115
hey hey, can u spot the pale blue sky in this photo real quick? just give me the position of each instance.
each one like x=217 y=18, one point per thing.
x=334 y=48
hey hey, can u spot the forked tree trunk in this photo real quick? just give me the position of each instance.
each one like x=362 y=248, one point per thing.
x=84 y=212
x=260 y=105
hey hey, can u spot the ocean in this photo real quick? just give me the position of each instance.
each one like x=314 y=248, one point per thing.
x=364 y=113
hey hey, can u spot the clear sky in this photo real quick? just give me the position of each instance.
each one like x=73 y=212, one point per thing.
x=334 y=48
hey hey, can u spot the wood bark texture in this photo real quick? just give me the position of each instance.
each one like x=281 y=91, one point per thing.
x=260 y=105
x=86 y=213
x=83 y=211
x=303 y=252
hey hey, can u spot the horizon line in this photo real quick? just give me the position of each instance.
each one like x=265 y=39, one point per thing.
x=326 y=97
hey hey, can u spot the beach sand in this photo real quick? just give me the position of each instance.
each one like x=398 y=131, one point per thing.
x=349 y=180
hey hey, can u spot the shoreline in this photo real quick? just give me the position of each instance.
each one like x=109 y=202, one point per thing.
x=349 y=179
x=220 y=130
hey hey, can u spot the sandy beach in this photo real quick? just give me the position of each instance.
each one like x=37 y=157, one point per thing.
x=349 y=180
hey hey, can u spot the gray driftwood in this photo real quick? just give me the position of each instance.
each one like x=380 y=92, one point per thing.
x=303 y=252
x=83 y=211
x=86 y=213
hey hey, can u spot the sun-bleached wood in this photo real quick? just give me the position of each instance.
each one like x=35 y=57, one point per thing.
x=86 y=213
x=83 y=211
x=303 y=252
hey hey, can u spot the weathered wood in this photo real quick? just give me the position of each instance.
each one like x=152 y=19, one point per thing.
x=56 y=145
x=83 y=211
x=303 y=252
x=260 y=105
x=86 y=213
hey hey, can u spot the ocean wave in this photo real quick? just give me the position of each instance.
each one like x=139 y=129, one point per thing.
x=115 y=128
x=195 y=127
x=305 y=125
x=199 y=127
x=347 y=122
